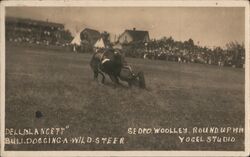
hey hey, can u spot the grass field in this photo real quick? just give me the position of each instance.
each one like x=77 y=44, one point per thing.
x=61 y=86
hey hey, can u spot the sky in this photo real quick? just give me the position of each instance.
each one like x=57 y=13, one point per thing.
x=207 y=26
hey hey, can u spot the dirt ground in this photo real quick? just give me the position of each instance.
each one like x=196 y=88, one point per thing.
x=60 y=85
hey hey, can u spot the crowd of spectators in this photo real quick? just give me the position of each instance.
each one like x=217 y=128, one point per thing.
x=32 y=37
x=36 y=32
x=187 y=52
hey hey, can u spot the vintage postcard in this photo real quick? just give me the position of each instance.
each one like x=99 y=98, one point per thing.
x=124 y=78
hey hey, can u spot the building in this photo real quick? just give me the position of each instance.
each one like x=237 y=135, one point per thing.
x=129 y=36
x=89 y=36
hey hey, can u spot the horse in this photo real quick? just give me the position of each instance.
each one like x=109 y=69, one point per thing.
x=110 y=62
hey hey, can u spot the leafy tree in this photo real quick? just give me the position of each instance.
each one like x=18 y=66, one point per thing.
x=67 y=36
x=105 y=35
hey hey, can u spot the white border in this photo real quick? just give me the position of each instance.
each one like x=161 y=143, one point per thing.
x=129 y=3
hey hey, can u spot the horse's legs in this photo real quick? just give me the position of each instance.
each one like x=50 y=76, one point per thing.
x=95 y=75
x=103 y=77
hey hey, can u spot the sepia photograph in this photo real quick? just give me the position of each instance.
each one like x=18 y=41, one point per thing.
x=125 y=78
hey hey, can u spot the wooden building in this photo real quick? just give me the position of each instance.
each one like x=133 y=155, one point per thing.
x=129 y=36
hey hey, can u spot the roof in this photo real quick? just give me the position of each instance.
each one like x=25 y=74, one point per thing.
x=137 y=35
x=92 y=31
x=33 y=22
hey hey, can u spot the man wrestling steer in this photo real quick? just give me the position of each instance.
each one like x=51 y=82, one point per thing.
x=112 y=63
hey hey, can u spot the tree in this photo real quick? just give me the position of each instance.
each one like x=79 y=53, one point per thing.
x=191 y=42
x=106 y=38
x=67 y=36
x=105 y=35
